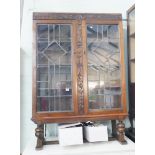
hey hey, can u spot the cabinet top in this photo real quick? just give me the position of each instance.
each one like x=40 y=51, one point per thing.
x=76 y=16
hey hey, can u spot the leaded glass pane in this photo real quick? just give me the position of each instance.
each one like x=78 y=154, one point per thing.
x=42 y=32
x=54 y=69
x=104 y=77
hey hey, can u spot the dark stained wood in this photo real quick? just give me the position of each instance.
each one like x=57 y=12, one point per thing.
x=102 y=21
x=75 y=16
x=74 y=70
x=79 y=55
x=77 y=118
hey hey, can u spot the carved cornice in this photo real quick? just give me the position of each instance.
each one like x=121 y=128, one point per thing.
x=79 y=56
x=75 y=16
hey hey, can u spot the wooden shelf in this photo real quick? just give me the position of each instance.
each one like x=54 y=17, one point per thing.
x=132 y=59
x=132 y=35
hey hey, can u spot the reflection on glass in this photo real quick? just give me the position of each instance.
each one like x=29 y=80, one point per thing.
x=104 y=79
x=42 y=45
x=42 y=32
x=65 y=33
x=54 y=82
x=42 y=104
x=41 y=84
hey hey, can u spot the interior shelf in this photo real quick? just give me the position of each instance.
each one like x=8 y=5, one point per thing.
x=132 y=59
x=132 y=35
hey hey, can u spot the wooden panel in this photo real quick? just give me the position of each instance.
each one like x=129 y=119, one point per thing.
x=77 y=118
x=79 y=61
x=76 y=16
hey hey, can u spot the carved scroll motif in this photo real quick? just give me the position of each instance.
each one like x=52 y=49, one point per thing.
x=80 y=69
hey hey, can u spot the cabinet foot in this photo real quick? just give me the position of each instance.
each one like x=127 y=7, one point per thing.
x=121 y=132
x=39 y=133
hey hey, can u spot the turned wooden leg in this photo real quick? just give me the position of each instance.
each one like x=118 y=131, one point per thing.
x=120 y=132
x=39 y=133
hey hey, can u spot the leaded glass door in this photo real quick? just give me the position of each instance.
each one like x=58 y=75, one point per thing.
x=104 y=72
x=54 y=67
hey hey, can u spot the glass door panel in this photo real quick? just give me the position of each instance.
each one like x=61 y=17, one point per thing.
x=54 y=69
x=104 y=77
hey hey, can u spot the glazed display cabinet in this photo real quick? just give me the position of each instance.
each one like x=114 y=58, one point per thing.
x=78 y=70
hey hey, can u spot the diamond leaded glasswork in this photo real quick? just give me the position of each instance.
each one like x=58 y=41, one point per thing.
x=54 y=82
x=78 y=71
x=104 y=78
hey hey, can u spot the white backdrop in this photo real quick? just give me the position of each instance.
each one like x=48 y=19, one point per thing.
x=30 y=6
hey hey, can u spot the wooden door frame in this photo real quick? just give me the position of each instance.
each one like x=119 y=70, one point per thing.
x=122 y=62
